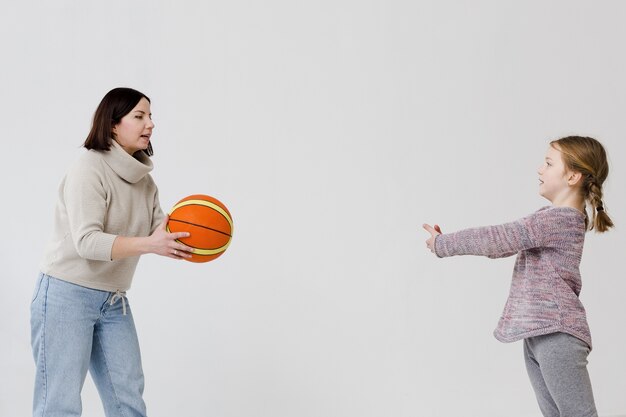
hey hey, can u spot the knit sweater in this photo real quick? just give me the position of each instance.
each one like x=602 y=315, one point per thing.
x=546 y=282
x=105 y=194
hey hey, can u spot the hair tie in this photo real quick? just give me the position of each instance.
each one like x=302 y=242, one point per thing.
x=600 y=208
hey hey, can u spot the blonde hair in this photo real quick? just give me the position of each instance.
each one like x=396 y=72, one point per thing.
x=587 y=156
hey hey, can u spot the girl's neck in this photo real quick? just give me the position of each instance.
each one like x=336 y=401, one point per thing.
x=572 y=200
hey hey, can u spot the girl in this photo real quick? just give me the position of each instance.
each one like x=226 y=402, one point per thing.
x=107 y=215
x=543 y=307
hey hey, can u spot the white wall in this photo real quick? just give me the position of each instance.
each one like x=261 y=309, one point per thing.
x=332 y=130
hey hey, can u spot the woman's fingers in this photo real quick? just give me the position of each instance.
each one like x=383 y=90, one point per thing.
x=183 y=248
x=180 y=250
x=170 y=244
x=180 y=254
x=179 y=235
x=163 y=225
x=438 y=229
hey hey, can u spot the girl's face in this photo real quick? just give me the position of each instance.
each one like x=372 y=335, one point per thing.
x=134 y=130
x=555 y=180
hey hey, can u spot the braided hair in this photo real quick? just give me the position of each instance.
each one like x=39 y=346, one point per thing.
x=587 y=156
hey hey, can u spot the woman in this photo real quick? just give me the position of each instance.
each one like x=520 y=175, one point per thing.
x=107 y=215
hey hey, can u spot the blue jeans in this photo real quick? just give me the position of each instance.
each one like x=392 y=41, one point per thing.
x=75 y=329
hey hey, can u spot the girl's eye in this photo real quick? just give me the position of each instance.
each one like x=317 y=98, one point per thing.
x=138 y=117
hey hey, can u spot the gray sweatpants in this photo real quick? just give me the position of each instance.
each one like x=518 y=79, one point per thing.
x=557 y=367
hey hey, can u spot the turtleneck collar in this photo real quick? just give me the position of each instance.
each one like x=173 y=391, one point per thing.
x=130 y=168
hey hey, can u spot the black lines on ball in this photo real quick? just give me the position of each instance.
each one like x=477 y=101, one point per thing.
x=199 y=225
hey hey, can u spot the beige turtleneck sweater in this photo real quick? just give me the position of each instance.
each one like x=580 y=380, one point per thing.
x=103 y=195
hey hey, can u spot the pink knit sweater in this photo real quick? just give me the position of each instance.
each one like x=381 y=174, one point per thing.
x=546 y=279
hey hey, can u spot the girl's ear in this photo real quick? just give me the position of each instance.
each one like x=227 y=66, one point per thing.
x=573 y=177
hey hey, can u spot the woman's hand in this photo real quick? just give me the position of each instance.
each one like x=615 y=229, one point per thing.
x=163 y=243
x=160 y=242
x=434 y=232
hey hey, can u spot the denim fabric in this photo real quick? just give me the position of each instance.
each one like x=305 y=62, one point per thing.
x=75 y=329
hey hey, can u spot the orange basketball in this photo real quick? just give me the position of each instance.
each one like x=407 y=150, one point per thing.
x=208 y=221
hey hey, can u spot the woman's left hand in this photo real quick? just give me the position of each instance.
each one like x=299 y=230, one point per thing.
x=434 y=232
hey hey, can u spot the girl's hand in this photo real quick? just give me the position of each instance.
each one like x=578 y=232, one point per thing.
x=434 y=231
x=163 y=243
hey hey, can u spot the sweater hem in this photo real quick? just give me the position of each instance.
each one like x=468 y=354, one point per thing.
x=541 y=332
x=100 y=286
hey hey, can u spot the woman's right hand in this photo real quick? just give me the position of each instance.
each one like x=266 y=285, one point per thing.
x=163 y=243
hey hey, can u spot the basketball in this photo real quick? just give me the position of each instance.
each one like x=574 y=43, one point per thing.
x=209 y=223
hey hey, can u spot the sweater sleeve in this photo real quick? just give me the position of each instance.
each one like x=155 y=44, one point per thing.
x=85 y=200
x=157 y=213
x=502 y=255
x=496 y=241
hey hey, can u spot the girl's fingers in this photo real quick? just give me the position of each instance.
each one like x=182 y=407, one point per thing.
x=434 y=231
x=429 y=229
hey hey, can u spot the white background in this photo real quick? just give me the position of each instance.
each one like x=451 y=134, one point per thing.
x=332 y=130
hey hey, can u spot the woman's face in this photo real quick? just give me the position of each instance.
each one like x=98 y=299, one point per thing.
x=134 y=130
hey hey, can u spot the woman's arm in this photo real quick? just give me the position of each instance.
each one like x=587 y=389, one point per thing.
x=85 y=199
x=160 y=242
x=157 y=212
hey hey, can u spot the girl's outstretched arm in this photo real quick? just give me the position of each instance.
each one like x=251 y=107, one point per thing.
x=494 y=241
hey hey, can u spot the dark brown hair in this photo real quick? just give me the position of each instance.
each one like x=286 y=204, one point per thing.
x=116 y=104
x=587 y=156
